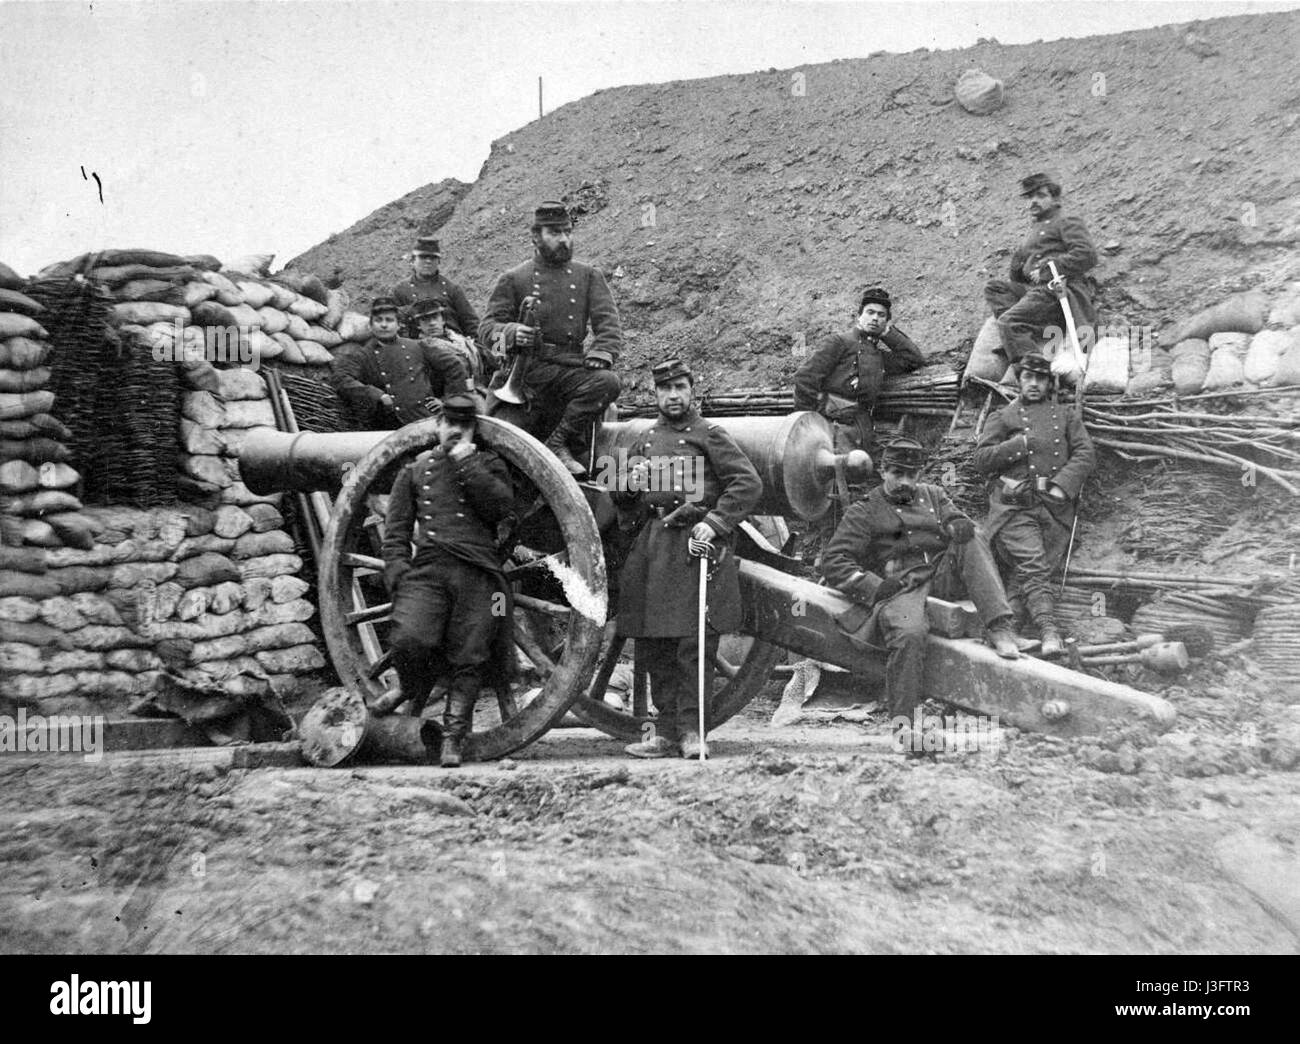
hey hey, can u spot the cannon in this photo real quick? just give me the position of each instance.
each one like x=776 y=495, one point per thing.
x=557 y=550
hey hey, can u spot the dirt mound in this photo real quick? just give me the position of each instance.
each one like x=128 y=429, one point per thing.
x=737 y=213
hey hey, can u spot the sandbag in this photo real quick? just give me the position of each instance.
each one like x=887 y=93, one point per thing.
x=234 y=439
x=1237 y=342
x=227 y=292
x=196 y=293
x=255 y=294
x=1244 y=313
x=336 y=304
x=39 y=502
x=264 y=517
x=282 y=296
x=37 y=424
x=34 y=450
x=262 y=348
x=166 y=597
x=289 y=350
x=22 y=353
x=314 y=354
x=294 y=660
x=62 y=613
x=325 y=338
x=17 y=476
x=14 y=325
x=1266 y=349
x=200 y=375
x=197 y=545
x=257 y=589
x=42 y=635
x=225 y=598
x=115 y=275
x=74 y=529
x=208 y=570
x=978 y=93
x=196 y=521
x=9 y=279
x=15 y=301
x=202 y=261
x=39 y=533
x=246 y=317
x=1286 y=311
x=96 y=608
x=239 y=385
x=270 y=566
x=1189 y=372
x=214 y=313
x=16 y=609
x=307 y=285
x=133 y=256
x=255 y=545
x=231 y=523
x=146 y=312
x=196 y=438
x=241 y=495
x=27 y=585
x=356 y=327
x=299 y=329
x=1288 y=366
x=17 y=405
x=193 y=604
x=1194 y=347
x=249 y=413
x=71 y=579
x=22 y=560
x=273 y=320
x=206 y=468
x=159 y=290
x=251 y=264
x=24 y=380
x=203 y=408
x=288 y=588
x=275 y=636
x=134 y=660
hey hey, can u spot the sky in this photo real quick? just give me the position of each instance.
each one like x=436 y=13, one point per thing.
x=233 y=128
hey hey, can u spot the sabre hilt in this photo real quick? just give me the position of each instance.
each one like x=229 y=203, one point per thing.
x=702 y=549
x=1057 y=282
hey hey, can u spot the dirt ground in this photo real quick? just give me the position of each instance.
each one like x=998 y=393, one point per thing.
x=799 y=839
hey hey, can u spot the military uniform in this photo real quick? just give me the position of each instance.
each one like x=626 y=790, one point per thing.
x=1025 y=310
x=659 y=584
x=1034 y=445
x=444 y=592
x=410 y=371
x=914 y=548
x=565 y=396
x=458 y=312
x=842 y=379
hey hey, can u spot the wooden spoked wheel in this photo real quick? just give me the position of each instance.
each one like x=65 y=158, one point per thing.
x=556 y=543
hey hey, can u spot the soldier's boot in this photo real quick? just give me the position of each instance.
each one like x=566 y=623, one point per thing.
x=1003 y=638
x=558 y=443
x=1051 y=639
x=655 y=747
x=456 y=723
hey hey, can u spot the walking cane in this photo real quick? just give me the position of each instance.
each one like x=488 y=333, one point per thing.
x=701 y=549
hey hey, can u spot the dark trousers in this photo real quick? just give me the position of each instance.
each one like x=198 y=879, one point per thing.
x=672 y=664
x=1024 y=313
x=562 y=399
x=965 y=571
x=442 y=621
x=1033 y=544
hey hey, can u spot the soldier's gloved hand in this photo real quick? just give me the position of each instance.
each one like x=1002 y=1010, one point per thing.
x=960 y=528
x=887 y=589
x=393 y=573
x=703 y=531
x=686 y=515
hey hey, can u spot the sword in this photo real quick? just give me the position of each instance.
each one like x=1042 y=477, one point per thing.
x=1057 y=286
x=702 y=549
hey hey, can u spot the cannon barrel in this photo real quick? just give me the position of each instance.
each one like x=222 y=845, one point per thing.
x=793 y=456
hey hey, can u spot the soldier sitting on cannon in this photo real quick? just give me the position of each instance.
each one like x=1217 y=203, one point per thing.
x=390 y=381
x=431 y=321
x=901 y=543
x=658 y=604
x=446 y=506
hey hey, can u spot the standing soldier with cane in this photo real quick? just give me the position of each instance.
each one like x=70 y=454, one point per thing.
x=688 y=511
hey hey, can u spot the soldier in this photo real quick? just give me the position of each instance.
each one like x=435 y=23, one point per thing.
x=390 y=380
x=694 y=483
x=1037 y=455
x=841 y=379
x=568 y=386
x=903 y=542
x=446 y=505
x=427 y=284
x=431 y=322
x=1023 y=305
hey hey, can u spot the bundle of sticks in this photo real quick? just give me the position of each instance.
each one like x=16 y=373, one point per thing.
x=930 y=392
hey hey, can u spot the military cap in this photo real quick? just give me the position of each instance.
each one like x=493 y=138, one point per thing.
x=459 y=408
x=551 y=212
x=1031 y=184
x=904 y=452
x=876 y=295
x=427 y=308
x=428 y=247
x=669 y=370
x=1033 y=362
x=382 y=304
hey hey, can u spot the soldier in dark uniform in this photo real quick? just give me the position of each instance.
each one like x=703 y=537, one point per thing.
x=390 y=380
x=443 y=573
x=1037 y=455
x=1023 y=305
x=431 y=323
x=693 y=483
x=841 y=379
x=903 y=542
x=568 y=386
x=428 y=284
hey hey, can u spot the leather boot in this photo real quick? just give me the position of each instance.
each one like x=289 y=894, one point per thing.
x=456 y=722
x=1051 y=639
x=1003 y=638
x=558 y=443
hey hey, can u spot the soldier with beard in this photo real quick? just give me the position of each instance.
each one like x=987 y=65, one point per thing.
x=1037 y=455
x=901 y=543
x=1025 y=308
x=568 y=385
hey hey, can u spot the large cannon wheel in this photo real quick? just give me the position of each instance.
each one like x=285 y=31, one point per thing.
x=348 y=565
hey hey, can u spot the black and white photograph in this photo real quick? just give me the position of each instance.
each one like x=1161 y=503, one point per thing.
x=639 y=477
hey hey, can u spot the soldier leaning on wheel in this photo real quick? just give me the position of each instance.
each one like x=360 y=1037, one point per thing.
x=901 y=543
x=1036 y=455
x=701 y=488
x=568 y=386
x=390 y=381
x=451 y=605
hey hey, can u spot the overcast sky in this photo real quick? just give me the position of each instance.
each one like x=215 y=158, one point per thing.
x=235 y=128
